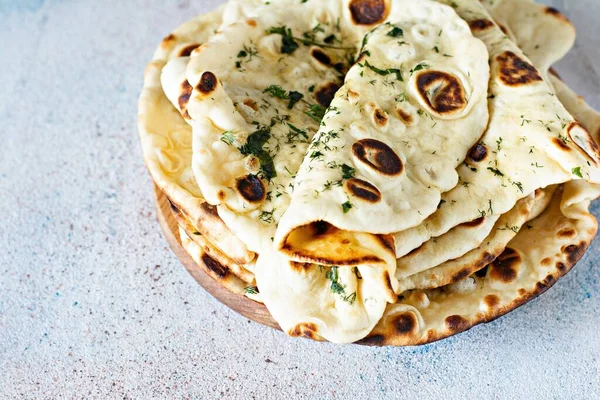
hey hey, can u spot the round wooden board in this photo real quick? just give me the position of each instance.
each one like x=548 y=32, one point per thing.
x=240 y=304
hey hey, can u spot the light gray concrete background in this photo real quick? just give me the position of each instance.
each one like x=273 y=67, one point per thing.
x=94 y=305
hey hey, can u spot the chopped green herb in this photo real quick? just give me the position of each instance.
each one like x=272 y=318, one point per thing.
x=227 y=137
x=267 y=217
x=289 y=42
x=295 y=134
x=519 y=186
x=254 y=145
x=316 y=154
x=337 y=288
x=402 y=97
x=347 y=171
x=294 y=98
x=346 y=207
x=277 y=91
x=496 y=172
x=385 y=72
x=419 y=67
x=251 y=290
x=577 y=172
x=395 y=32
x=563 y=138
x=316 y=112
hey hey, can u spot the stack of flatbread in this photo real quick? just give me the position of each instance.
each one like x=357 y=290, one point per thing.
x=386 y=171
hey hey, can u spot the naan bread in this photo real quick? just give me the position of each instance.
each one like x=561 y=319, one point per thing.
x=223 y=261
x=167 y=140
x=543 y=33
x=533 y=261
x=216 y=269
x=487 y=251
x=257 y=99
x=389 y=144
x=222 y=87
x=577 y=106
x=531 y=141
x=341 y=305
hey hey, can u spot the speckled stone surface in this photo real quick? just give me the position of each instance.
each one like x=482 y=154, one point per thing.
x=94 y=305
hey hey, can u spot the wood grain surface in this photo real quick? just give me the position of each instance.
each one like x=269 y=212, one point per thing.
x=241 y=304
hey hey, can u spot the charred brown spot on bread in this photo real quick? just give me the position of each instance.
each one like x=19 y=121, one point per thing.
x=388 y=242
x=320 y=56
x=487 y=258
x=546 y=262
x=208 y=83
x=187 y=50
x=584 y=142
x=300 y=267
x=378 y=156
x=251 y=22
x=574 y=252
x=373 y=340
x=325 y=93
x=475 y=223
x=441 y=91
x=363 y=190
x=405 y=323
x=543 y=285
x=215 y=266
x=184 y=97
x=251 y=188
x=250 y=103
x=381 y=117
x=491 y=301
x=369 y=12
x=567 y=233
x=515 y=71
x=167 y=40
x=341 y=68
x=320 y=228
x=388 y=282
x=479 y=25
x=306 y=329
x=478 y=152
x=561 y=267
x=503 y=29
x=353 y=96
x=210 y=209
x=174 y=208
x=221 y=195
x=461 y=275
x=555 y=73
x=556 y=13
x=482 y=273
x=560 y=144
x=456 y=323
x=506 y=266
x=404 y=116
